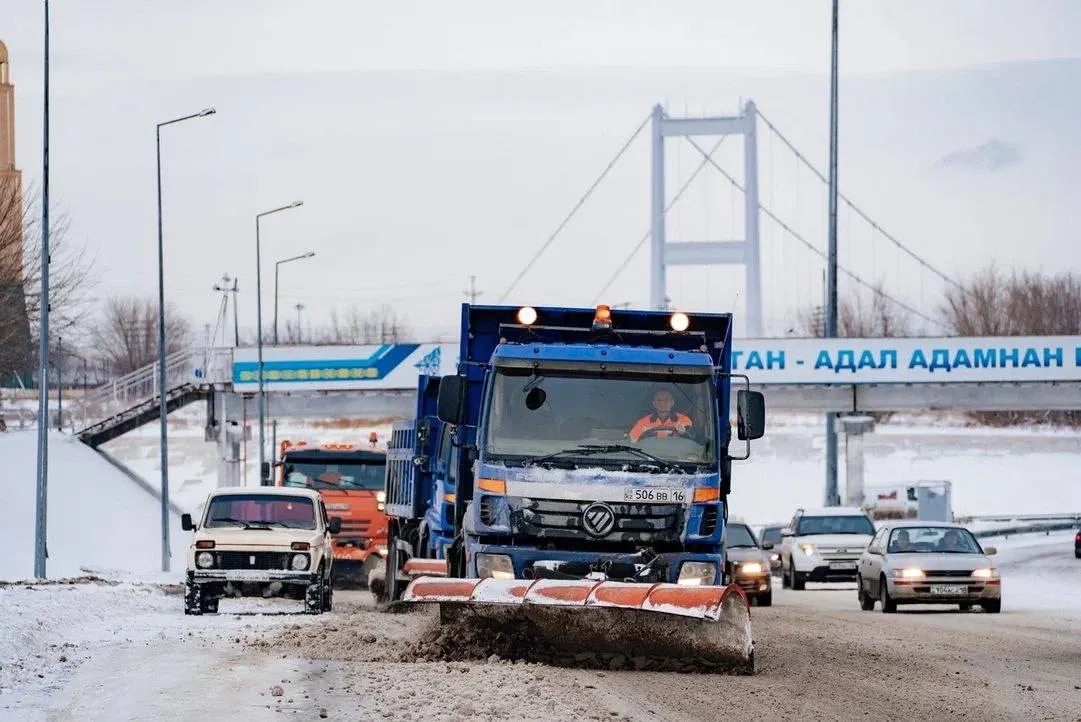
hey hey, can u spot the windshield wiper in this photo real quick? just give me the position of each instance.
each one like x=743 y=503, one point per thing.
x=241 y=522
x=590 y=449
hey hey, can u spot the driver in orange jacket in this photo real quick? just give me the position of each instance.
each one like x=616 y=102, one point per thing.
x=662 y=423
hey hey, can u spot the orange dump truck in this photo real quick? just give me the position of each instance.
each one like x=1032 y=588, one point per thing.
x=350 y=479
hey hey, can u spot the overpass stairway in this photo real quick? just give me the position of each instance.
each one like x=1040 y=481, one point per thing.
x=133 y=400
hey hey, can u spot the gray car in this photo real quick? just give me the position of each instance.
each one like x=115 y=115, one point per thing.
x=919 y=562
x=747 y=563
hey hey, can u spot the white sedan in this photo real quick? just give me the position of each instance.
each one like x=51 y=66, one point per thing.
x=919 y=562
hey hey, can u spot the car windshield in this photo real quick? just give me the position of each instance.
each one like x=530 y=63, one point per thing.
x=772 y=534
x=932 y=539
x=540 y=413
x=322 y=475
x=738 y=535
x=848 y=524
x=260 y=510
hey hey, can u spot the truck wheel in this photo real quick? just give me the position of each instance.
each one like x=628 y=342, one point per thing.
x=456 y=559
x=314 y=596
x=193 y=599
x=210 y=606
x=391 y=584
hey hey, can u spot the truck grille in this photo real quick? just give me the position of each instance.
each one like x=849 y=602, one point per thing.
x=354 y=528
x=560 y=518
x=709 y=521
x=262 y=560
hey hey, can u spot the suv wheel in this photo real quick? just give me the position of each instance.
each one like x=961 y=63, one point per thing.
x=784 y=579
x=798 y=581
x=193 y=598
x=314 y=596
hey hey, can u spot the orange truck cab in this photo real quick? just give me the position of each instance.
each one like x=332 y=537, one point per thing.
x=350 y=480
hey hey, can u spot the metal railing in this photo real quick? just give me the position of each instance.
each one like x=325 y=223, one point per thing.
x=192 y=367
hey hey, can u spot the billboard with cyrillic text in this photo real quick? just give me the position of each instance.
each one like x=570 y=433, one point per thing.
x=908 y=360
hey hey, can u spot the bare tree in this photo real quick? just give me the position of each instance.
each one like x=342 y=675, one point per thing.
x=1021 y=303
x=127 y=335
x=21 y=265
x=381 y=325
x=860 y=317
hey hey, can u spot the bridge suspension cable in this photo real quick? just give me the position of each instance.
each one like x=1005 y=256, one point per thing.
x=817 y=251
x=577 y=206
x=645 y=237
x=858 y=211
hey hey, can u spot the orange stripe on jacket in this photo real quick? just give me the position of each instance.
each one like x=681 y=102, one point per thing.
x=653 y=421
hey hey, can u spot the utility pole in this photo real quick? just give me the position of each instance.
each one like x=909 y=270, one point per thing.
x=40 y=550
x=236 y=316
x=833 y=498
x=60 y=383
x=473 y=292
x=300 y=335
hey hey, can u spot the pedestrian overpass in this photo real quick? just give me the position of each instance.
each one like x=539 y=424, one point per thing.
x=845 y=376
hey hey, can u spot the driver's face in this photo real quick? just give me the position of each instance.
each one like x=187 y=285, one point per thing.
x=662 y=402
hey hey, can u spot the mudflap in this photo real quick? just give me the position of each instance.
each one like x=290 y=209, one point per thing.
x=607 y=624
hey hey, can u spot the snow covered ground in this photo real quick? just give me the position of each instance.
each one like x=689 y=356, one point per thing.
x=97 y=516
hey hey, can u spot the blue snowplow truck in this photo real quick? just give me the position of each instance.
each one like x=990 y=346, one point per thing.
x=570 y=485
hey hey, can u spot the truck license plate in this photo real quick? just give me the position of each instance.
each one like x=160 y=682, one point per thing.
x=952 y=590
x=671 y=496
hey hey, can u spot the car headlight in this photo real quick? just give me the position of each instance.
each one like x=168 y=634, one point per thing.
x=774 y=557
x=204 y=560
x=696 y=573
x=908 y=573
x=808 y=549
x=749 y=568
x=496 y=566
x=300 y=562
x=985 y=574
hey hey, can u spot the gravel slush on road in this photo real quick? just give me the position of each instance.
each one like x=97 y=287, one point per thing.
x=118 y=651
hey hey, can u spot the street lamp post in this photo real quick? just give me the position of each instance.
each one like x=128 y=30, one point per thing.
x=162 y=409
x=259 y=333
x=277 y=265
x=833 y=498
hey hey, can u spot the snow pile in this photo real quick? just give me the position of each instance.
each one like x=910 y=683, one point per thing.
x=96 y=516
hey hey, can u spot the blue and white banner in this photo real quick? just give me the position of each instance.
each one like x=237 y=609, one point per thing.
x=340 y=368
x=908 y=360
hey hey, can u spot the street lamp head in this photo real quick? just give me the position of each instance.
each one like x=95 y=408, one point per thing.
x=296 y=204
x=309 y=254
x=207 y=111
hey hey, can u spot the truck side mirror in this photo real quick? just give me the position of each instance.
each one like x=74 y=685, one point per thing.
x=449 y=402
x=751 y=409
x=335 y=524
x=186 y=523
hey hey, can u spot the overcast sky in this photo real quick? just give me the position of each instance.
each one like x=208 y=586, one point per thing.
x=434 y=140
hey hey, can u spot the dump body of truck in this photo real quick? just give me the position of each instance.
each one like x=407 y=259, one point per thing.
x=582 y=446
x=350 y=479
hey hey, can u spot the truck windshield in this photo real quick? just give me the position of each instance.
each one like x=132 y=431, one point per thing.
x=852 y=524
x=323 y=475
x=260 y=510
x=534 y=414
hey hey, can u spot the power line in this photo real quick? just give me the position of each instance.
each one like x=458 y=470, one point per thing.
x=473 y=292
x=577 y=205
x=915 y=256
x=772 y=216
x=644 y=238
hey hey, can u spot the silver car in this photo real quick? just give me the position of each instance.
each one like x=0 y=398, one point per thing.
x=920 y=562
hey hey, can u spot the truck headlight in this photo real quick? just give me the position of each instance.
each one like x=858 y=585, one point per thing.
x=300 y=562
x=696 y=573
x=204 y=560
x=749 y=568
x=496 y=566
x=381 y=496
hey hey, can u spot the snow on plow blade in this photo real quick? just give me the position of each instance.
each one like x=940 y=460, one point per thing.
x=650 y=626
x=425 y=567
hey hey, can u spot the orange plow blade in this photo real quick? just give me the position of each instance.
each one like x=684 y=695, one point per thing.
x=601 y=623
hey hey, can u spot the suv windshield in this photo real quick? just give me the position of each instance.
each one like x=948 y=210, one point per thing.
x=321 y=475
x=854 y=524
x=260 y=510
x=541 y=413
x=924 y=539
x=738 y=535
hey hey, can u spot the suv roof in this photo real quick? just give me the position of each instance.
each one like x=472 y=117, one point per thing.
x=834 y=511
x=271 y=490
